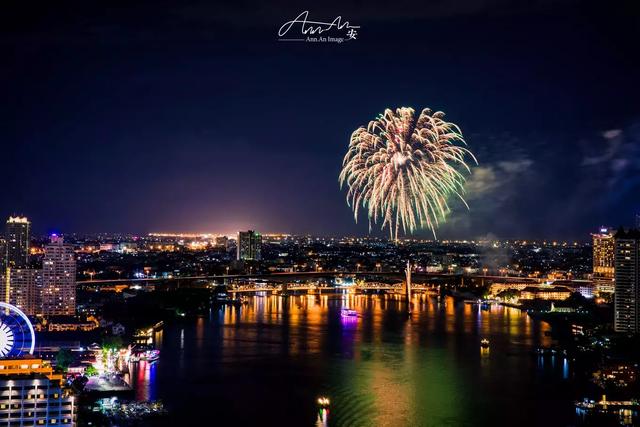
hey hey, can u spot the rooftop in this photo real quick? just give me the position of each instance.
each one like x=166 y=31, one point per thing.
x=631 y=233
x=17 y=220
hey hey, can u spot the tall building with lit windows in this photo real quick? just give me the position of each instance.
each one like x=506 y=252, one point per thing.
x=58 y=294
x=627 y=281
x=17 y=242
x=603 y=260
x=249 y=246
x=3 y=254
x=22 y=289
x=19 y=283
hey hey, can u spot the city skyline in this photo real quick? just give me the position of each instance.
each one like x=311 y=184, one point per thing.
x=421 y=236
x=149 y=127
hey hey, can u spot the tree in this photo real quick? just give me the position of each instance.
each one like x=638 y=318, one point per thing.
x=112 y=342
x=509 y=295
x=576 y=300
x=64 y=359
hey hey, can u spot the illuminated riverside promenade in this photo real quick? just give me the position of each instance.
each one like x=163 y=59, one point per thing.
x=367 y=286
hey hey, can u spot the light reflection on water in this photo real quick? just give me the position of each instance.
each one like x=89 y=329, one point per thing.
x=143 y=375
x=380 y=369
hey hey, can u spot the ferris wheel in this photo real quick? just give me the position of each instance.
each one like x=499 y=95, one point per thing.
x=17 y=337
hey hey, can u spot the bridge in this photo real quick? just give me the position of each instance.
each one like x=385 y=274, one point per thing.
x=283 y=276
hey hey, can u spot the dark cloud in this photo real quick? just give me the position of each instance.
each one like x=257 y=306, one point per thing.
x=519 y=197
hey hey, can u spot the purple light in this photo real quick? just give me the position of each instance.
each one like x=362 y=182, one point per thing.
x=347 y=312
x=348 y=316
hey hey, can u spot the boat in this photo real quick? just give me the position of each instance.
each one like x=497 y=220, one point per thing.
x=348 y=312
x=323 y=402
x=222 y=297
x=607 y=406
x=150 y=355
x=484 y=343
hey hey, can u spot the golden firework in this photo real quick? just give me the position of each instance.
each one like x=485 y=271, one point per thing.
x=403 y=170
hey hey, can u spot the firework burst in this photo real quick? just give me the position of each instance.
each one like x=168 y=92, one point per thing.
x=404 y=169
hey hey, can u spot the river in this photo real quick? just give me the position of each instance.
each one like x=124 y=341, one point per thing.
x=267 y=362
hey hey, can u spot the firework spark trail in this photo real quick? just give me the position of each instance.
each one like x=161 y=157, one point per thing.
x=404 y=170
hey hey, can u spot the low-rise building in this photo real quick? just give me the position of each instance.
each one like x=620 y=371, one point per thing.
x=586 y=288
x=118 y=329
x=70 y=323
x=551 y=293
x=32 y=395
x=496 y=288
x=619 y=375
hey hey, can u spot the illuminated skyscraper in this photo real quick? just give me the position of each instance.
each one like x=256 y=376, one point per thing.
x=22 y=289
x=603 y=260
x=58 y=278
x=3 y=254
x=627 y=283
x=249 y=246
x=17 y=242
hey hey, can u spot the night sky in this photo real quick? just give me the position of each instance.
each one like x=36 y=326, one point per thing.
x=192 y=116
